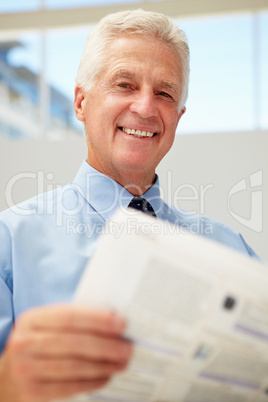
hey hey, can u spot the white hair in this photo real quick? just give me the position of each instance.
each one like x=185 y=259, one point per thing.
x=139 y=22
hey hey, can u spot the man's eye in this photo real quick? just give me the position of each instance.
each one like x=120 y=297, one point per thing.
x=124 y=85
x=165 y=95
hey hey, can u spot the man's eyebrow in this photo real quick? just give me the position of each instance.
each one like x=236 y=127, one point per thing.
x=123 y=73
x=169 y=85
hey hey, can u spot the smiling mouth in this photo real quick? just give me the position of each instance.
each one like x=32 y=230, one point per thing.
x=137 y=133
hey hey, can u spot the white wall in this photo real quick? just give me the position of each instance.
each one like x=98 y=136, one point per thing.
x=27 y=167
x=199 y=174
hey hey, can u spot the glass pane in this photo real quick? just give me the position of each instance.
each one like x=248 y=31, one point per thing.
x=64 y=51
x=221 y=80
x=264 y=69
x=9 y=6
x=85 y=3
x=19 y=86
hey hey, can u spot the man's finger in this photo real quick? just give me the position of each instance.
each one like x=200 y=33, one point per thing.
x=72 y=318
x=59 y=345
x=48 y=391
x=47 y=370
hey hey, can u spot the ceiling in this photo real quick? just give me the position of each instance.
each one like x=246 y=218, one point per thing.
x=47 y=19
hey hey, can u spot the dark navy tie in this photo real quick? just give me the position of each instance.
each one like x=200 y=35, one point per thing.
x=142 y=205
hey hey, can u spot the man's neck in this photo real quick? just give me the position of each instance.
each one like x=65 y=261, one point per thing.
x=135 y=182
x=136 y=185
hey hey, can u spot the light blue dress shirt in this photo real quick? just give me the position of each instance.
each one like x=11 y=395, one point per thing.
x=45 y=242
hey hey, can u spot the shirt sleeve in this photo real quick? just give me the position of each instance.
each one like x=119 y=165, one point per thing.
x=6 y=313
x=249 y=250
x=6 y=297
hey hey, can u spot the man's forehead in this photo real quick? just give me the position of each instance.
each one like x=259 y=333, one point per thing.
x=133 y=45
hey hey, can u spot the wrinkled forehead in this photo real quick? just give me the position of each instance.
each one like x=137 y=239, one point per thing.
x=133 y=46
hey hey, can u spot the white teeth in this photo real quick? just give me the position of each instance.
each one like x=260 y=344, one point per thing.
x=137 y=133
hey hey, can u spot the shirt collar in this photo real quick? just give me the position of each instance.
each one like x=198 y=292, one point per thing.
x=106 y=196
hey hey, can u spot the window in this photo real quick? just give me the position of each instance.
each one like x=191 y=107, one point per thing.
x=221 y=93
x=85 y=3
x=37 y=84
x=262 y=82
x=228 y=82
x=64 y=50
x=19 y=86
x=19 y=6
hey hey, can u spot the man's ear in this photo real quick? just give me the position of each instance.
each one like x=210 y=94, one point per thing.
x=182 y=111
x=79 y=103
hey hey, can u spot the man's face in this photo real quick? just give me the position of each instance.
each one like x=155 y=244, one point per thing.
x=131 y=113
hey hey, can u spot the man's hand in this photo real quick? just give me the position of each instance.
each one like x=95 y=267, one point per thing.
x=59 y=350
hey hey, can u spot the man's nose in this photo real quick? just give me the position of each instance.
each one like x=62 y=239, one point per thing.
x=144 y=104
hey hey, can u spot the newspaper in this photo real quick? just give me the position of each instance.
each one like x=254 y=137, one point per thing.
x=197 y=314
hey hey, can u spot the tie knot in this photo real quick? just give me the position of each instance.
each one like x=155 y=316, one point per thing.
x=142 y=205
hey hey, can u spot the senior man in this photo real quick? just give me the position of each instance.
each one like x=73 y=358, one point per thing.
x=131 y=91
